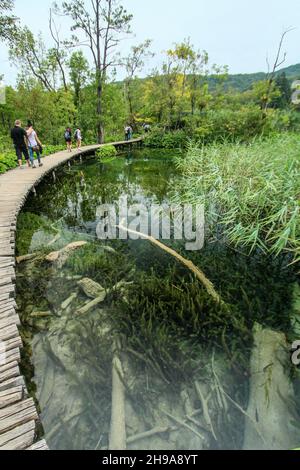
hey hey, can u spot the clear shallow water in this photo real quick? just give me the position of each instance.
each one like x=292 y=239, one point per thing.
x=174 y=339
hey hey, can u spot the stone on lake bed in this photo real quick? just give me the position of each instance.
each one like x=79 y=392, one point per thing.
x=91 y=288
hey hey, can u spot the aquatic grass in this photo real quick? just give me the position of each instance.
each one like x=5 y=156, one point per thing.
x=252 y=191
x=168 y=320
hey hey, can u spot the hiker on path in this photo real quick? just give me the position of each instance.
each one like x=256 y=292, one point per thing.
x=78 y=137
x=128 y=133
x=19 y=137
x=34 y=145
x=68 y=138
x=146 y=127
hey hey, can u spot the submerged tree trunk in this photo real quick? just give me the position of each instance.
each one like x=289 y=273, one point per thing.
x=271 y=394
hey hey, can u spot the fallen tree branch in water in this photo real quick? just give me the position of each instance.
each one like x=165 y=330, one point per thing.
x=117 y=436
x=89 y=306
x=55 y=239
x=29 y=257
x=228 y=397
x=163 y=430
x=204 y=403
x=187 y=263
x=182 y=423
x=61 y=256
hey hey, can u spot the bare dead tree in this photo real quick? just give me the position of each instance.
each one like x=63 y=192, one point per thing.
x=58 y=52
x=280 y=59
x=133 y=64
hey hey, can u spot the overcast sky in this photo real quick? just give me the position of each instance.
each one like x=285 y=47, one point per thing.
x=237 y=33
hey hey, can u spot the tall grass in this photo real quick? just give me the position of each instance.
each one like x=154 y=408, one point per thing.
x=252 y=190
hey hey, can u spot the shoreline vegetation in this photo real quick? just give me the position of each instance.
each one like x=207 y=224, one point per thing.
x=111 y=331
x=251 y=190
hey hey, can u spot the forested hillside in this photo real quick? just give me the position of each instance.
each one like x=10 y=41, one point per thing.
x=243 y=82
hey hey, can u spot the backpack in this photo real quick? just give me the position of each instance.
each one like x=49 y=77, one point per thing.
x=67 y=135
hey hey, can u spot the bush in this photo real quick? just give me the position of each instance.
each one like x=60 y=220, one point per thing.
x=108 y=151
x=50 y=149
x=219 y=125
x=231 y=125
x=7 y=161
x=158 y=138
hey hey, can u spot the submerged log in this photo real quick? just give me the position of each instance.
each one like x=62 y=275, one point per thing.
x=22 y=259
x=68 y=301
x=205 y=407
x=60 y=257
x=41 y=314
x=187 y=263
x=55 y=239
x=117 y=436
x=271 y=404
x=89 y=306
x=92 y=288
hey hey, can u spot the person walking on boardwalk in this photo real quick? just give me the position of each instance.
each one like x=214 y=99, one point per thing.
x=126 y=129
x=78 y=138
x=20 y=140
x=128 y=132
x=68 y=138
x=34 y=145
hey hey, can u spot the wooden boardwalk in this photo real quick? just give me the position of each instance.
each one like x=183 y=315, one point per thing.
x=18 y=415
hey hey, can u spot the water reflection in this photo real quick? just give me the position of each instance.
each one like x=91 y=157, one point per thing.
x=185 y=360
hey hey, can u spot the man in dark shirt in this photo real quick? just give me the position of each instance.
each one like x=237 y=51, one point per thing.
x=19 y=137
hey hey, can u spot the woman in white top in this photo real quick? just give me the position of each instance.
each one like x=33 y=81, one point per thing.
x=78 y=138
x=34 y=145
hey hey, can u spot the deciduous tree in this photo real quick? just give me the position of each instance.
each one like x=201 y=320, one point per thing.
x=103 y=24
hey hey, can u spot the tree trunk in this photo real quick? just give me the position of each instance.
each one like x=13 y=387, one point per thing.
x=100 y=129
x=193 y=105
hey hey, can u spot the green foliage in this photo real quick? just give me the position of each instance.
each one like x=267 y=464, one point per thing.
x=79 y=73
x=227 y=124
x=108 y=151
x=161 y=139
x=7 y=20
x=253 y=188
x=284 y=87
x=185 y=97
x=8 y=159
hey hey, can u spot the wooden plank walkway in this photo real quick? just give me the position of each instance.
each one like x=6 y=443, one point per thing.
x=18 y=415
